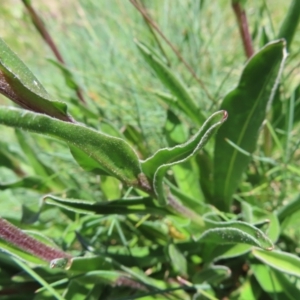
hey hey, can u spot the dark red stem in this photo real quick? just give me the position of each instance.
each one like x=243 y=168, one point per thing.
x=243 y=27
x=41 y=28
x=15 y=236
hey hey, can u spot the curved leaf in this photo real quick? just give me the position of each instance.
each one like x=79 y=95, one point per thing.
x=21 y=86
x=260 y=238
x=156 y=166
x=247 y=105
x=114 y=155
x=228 y=236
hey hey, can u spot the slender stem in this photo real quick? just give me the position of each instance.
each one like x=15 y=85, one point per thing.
x=41 y=28
x=241 y=17
x=153 y=33
x=177 y=53
x=17 y=237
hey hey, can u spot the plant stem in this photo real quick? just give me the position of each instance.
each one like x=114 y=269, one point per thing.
x=17 y=237
x=177 y=53
x=41 y=28
x=153 y=32
x=243 y=27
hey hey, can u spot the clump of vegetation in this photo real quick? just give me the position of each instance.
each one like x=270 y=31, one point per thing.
x=170 y=168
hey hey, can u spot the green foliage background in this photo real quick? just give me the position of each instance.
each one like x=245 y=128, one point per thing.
x=133 y=247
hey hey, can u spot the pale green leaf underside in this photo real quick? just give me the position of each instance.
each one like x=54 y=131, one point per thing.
x=20 y=85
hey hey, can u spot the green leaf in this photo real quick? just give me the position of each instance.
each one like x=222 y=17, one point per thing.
x=248 y=229
x=123 y=206
x=290 y=23
x=86 y=162
x=87 y=264
x=281 y=261
x=136 y=138
x=21 y=86
x=20 y=254
x=287 y=210
x=266 y=278
x=175 y=86
x=212 y=275
x=156 y=166
x=30 y=182
x=114 y=155
x=274 y=282
x=110 y=187
x=234 y=232
x=228 y=251
x=178 y=260
x=246 y=105
x=175 y=131
x=249 y=290
x=228 y=236
x=39 y=279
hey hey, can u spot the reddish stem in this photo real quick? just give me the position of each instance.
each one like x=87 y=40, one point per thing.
x=39 y=25
x=243 y=27
x=17 y=237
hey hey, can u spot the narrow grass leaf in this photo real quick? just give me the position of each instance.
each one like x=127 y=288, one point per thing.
x=246 y=105
x=21 y=86
x=290 y=23
x=122 y=206
x=39 y=279
x=175 y=86
x=287 y=210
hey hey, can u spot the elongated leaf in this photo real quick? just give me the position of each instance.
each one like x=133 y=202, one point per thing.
x=156 y=166
x=250 y=233
x=123 y=206
x=32 y=182
x=20 y=254
x=175 y=86
x=290 y=23
x=178 y=260
x=274 y=282
x=246 y=106
x=212 y=275
x=249 y=290
x=266 y=278
x=281 y=261
x=228 y=236
x=229 y=251
x=247 y=229
x=87 y=162
x=21 y=86
x=87 y=264
x=136 y=138
x=287 y=210
x=114 y=155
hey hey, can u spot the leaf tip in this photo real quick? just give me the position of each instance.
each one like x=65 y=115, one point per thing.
x=225 y=115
